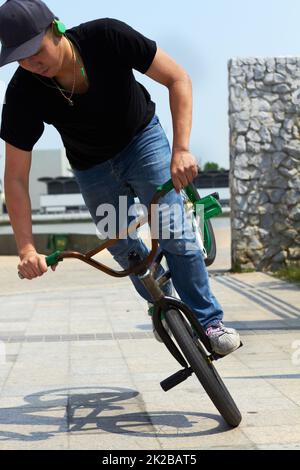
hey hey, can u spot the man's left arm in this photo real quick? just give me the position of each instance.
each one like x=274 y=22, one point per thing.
x=165 y=70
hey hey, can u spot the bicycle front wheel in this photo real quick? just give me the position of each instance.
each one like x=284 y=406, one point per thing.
x=203 y=368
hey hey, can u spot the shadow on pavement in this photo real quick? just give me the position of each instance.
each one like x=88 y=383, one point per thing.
x=88 y=409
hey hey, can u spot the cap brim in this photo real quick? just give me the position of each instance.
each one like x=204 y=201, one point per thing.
x=27 y=49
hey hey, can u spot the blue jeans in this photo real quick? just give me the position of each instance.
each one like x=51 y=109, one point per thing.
x=137 y=171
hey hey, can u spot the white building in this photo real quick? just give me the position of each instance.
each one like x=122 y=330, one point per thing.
x=46 y=163
x=63 y=195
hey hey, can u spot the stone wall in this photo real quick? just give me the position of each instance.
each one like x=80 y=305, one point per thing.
x=264 y=115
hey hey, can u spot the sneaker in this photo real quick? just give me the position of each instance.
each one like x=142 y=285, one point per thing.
x=166 y=327
x=223 y=340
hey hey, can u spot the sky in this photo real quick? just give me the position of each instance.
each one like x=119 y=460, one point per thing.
x=202 y=37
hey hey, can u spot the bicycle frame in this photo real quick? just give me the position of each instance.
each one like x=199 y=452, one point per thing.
x=174 y=309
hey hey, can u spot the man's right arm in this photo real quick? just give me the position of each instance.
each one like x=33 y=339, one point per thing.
x=17 y=198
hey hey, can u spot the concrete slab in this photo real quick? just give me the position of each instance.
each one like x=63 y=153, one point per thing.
x=82 y=369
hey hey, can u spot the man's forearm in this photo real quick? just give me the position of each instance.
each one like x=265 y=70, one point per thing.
x=181 y=104
x=19 y=208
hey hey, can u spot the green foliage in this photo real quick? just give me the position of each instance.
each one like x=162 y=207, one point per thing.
x=211 y=166
x=289 y=273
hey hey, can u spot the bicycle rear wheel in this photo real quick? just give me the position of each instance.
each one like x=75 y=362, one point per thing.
x=203 y=368
x=212 y=251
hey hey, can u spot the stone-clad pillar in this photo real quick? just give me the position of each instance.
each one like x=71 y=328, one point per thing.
x=264 y=115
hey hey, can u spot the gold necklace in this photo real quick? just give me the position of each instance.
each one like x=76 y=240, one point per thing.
x=69 y=98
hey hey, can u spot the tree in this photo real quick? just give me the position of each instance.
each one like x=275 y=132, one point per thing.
x=211 y=166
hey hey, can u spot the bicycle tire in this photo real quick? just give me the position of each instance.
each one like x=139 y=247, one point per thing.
x=212 y=253
x=203 y=369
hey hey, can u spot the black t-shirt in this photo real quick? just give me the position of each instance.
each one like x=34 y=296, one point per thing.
x=102 y=121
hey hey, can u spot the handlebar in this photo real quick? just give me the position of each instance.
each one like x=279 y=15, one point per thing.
x=161 y=191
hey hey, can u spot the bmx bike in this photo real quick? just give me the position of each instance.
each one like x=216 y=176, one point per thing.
x=186 y=339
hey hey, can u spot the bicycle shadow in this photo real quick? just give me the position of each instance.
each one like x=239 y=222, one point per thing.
x=103 y=410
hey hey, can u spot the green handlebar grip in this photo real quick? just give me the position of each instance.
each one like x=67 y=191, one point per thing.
x=53 y=258
x=169 y=185
x=50 y=261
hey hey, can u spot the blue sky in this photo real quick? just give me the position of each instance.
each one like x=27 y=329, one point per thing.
x=202 y=37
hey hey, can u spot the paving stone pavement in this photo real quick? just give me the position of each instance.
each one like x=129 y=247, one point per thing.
x=80 y=369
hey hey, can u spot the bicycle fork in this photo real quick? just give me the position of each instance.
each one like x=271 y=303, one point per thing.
x=164 y=303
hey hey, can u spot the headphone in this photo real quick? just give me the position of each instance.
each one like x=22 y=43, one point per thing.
x=59 y=30
x=59 y=27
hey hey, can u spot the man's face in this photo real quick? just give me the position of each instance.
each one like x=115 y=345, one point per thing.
x=48 y=59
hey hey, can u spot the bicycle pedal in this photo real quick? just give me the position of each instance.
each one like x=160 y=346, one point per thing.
x=176 y=379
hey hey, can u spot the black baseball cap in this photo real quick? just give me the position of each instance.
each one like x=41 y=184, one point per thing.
x=23 y=24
